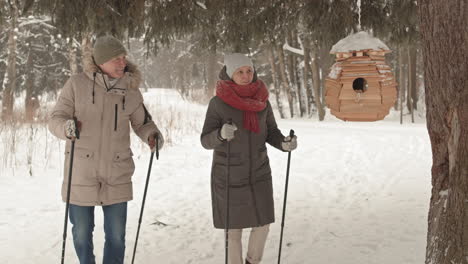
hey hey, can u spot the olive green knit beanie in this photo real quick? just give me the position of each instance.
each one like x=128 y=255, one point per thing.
x=106 y=48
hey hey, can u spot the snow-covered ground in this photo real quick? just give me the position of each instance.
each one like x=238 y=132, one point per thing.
x=359 y=194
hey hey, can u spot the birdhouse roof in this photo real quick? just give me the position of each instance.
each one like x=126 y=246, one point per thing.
x=359 y=41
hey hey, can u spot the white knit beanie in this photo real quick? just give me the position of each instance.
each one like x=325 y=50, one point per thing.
x=235 y=61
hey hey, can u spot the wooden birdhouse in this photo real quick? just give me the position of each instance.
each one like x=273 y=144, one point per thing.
x=360 y=85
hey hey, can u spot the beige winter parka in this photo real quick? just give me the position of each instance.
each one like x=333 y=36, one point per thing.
x=103 y=165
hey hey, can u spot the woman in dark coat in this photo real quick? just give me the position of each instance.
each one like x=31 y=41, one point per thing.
x=242 y=99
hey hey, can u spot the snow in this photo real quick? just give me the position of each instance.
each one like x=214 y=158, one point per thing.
x=358 y=41
x=31 y=20
x=358 y=193
x=202 y=5
x=335 y=71
x=286 y=46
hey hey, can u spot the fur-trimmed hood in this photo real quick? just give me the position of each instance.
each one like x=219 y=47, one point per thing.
x=132 y=72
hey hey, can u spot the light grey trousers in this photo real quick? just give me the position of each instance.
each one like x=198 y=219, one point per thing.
x=257 y=240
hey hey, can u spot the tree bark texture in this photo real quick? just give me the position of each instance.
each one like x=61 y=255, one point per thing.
x=292 y=70
x=395 y=67
x=86 y=48
x=10 y=79
x=180 y=81
x=402 y=81
x=211 y=68
x=412 y=73
x=410 y=87
x=285 y=83
x=444 y=33
x=324 y=62
x=300 y=93
x=31 y=102
x=73 y=58
x=307 y=87
x=315 y=70
x=274 y=75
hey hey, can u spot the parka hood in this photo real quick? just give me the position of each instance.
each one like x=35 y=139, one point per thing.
x=131 y=71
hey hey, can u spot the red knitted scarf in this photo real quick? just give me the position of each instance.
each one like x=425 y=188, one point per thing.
x=250 y=98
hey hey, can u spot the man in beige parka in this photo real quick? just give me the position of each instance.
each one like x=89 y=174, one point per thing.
x=105 y=99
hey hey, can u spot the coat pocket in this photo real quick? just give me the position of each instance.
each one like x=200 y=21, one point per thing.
x=122 y=167
x=220 y=157
x=239 y=192
x=262 y=170
x=83 y=172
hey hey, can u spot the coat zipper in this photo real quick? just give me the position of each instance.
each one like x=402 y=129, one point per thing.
x=100 y=148
x=115 y=117
x=252 y=190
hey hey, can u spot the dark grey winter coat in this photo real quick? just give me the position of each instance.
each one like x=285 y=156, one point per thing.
x=251 y=190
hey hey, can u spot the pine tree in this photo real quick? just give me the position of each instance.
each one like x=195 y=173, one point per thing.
x=9 y=80
x=396 y=23
x=39 y=63
x=323 y=23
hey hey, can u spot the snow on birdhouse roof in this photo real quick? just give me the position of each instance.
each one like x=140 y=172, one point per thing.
x=359 y=41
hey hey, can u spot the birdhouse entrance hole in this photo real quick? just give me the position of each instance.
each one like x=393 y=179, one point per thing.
x=360 y=85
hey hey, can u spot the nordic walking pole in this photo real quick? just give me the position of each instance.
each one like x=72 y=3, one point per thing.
x=226 y=242
x=291 y=134
x=70 y=170
x=144 y=196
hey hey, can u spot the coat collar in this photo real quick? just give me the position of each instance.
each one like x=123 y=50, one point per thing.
x=131 y=79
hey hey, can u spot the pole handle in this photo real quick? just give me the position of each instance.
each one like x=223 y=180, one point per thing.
x=291 y=133
x=157 y=146
x=77 y=132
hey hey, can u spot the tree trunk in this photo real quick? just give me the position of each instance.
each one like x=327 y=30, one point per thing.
x=277 y=89
x=315 y=70
x=444 y=33
x=30 y=102
x=412 y=75
x=395 y=66
x=307 y=87
x=324 y=63
x=297 y=92
x=292 y=66
x=411 y=81
x=211 y=68
x=181 y=86
x=86 y=48
x=10 y=79
x=3 y=68
x=402 y=80
x=284 y=79
x=304 y=104
x=72 y=58
x=300 y=94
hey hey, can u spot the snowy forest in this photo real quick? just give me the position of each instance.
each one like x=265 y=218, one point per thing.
x=180 y=45
x=391 y=191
